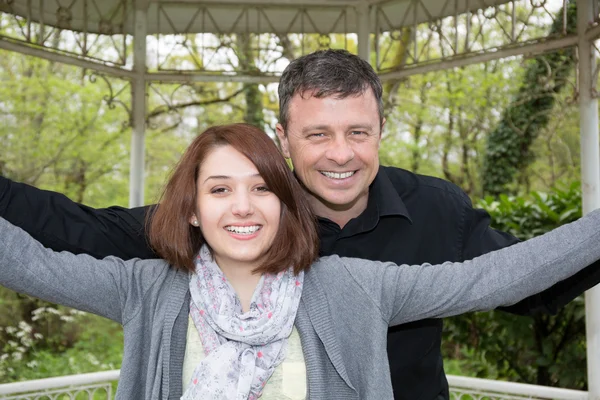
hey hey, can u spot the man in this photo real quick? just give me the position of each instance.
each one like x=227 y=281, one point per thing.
x=331 y=118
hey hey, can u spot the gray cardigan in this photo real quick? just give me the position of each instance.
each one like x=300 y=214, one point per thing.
x=347 y=304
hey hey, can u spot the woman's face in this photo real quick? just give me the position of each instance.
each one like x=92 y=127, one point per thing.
x=238 y=214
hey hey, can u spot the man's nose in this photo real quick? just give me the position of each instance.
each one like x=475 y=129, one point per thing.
x=340 y=151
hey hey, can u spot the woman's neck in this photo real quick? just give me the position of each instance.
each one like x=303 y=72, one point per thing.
x=242 y=280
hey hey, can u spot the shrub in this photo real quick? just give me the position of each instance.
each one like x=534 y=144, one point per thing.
x=541 y=349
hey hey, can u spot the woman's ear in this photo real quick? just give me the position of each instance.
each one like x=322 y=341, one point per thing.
x=194 y=221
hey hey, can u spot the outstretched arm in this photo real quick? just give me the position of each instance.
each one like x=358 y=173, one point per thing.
x=61 y=224
x=481 y=239
x=111 y=287
x=503 y=277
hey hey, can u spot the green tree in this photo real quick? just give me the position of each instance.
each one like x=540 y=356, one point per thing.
x=509 y=144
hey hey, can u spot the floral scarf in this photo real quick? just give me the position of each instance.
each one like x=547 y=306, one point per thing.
x=242 y=349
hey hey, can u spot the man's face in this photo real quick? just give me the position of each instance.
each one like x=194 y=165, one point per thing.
x=334 y=145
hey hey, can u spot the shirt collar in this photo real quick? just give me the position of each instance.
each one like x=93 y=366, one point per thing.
x=383 y=201
x=384 y=196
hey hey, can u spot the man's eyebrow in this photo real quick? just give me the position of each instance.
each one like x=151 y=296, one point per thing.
x=360 y=126
x=326 y=127
x=315 y=128
x=225 y=177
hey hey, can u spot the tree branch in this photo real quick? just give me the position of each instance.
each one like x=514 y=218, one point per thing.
x=166 y=108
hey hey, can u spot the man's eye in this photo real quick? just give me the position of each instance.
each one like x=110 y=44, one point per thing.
x=358 y=133
x=316 y=135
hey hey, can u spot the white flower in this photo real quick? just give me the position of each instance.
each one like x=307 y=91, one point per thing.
x=25 y=327
x=38 y=313
x=92 y=359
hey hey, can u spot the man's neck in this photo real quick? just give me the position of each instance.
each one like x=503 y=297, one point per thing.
x=341 y=215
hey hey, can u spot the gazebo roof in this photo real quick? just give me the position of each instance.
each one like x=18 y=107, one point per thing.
x=230 y=16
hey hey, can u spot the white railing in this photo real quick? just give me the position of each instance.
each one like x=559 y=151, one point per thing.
x=464 y=388
x=72 y=387
x=85 y=386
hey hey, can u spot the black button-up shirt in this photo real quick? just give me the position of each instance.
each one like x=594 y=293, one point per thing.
x=414 y=219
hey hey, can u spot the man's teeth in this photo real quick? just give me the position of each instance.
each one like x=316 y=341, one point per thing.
x=243 y=230
x=338 y=175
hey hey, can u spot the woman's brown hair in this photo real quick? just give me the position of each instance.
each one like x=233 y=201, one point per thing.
x=174 y=239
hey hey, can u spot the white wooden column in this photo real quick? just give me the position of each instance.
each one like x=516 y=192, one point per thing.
x=138 y=106
x=590 y=179
x=363 y=14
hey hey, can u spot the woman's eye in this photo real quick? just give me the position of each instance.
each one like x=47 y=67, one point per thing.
x=218 y=190
x=263 y=188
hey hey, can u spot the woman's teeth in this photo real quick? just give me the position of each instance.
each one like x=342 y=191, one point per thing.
x=243 y=230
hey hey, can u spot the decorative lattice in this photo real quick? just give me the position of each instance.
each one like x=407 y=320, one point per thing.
x=100 y=34
x=99 y=391
x=474 y=30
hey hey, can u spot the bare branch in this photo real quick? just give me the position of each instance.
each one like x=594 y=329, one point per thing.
x=167 y=108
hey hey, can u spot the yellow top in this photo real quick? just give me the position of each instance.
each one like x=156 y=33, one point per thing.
x=288 y=381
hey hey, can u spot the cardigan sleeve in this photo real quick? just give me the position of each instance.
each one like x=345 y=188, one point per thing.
x=479 y=238
x=111 y=287
x=500 y=278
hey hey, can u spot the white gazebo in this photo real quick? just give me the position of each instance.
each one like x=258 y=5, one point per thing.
x=146 y=33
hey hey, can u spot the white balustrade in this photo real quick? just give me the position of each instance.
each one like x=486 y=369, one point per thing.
x=93 y=386
x=98 y=386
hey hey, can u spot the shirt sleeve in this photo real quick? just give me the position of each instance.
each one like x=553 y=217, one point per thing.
x=112 y=288
x=503 y=277
x=61 y=224
x=481 y=239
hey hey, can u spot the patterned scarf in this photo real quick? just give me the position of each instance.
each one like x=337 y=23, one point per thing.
x=242 y=349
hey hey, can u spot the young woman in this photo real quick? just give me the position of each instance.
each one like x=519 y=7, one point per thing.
x=240 y=309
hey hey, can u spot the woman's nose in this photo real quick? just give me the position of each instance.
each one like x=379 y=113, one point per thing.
x=242 y=204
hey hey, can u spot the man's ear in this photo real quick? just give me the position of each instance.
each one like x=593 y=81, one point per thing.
x=283 y=140
x=381 y=130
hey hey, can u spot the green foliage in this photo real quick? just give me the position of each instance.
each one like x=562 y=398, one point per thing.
x=540 y=349
x=59 y=341
x=56 y=131
x=527 y=217
x=509 y=144
x=441 y=120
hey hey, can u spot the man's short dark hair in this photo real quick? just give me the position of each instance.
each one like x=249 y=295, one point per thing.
x=327 y=73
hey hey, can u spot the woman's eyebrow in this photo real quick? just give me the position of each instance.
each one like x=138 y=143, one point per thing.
x=227 y=177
